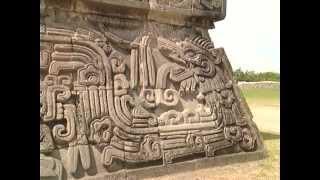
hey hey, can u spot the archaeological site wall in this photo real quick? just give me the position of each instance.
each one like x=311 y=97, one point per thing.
x=136 y=88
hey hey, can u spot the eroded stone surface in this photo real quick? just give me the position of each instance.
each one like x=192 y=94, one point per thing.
x=135 y=84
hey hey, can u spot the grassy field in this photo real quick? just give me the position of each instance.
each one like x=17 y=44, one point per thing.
x=260 y=96
x=265 y=105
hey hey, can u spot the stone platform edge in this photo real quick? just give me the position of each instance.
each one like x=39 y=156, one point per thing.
x=180 y=167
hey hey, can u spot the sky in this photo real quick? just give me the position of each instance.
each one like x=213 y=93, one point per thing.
x=250 y=34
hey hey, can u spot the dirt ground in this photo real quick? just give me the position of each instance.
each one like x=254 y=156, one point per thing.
x=266 y=113
x=267 y=118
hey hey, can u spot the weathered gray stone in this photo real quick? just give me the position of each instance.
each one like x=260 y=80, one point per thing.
x=134 y=85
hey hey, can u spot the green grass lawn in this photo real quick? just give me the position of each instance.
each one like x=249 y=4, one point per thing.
x=262 y=96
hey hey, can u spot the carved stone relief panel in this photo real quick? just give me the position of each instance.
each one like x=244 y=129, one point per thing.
x=109 y=99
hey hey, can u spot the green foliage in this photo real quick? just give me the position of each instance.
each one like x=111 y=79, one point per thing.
x=251 y=76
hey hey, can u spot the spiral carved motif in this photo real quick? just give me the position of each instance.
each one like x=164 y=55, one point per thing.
x=112 y=98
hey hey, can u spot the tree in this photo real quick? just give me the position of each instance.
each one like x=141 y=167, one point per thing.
x=251 y=76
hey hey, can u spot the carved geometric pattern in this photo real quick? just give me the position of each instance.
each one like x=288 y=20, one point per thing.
x=107 y=100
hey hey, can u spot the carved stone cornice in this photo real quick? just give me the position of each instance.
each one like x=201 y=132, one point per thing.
x=183 y=12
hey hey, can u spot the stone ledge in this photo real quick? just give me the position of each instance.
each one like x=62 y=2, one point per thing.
x=139 y=10
x=150 y=6
x=196 y=164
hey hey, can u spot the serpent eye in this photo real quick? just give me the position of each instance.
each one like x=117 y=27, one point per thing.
x=190 y=53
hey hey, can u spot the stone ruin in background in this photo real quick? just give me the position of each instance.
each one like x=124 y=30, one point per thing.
x=135 y=88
